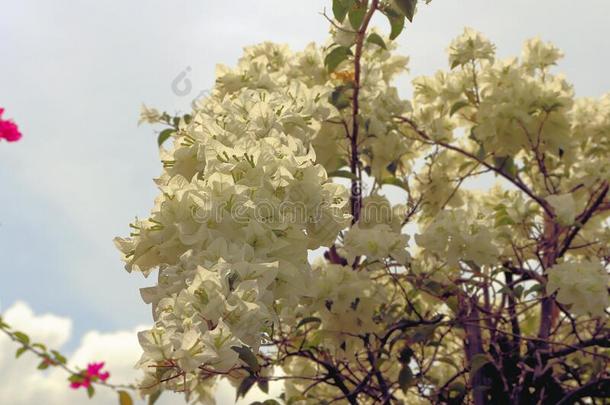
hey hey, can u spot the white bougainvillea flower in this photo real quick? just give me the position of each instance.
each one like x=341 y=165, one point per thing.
x=537 y=54
x=582 y=285
x=470 y=46
x=564 y=206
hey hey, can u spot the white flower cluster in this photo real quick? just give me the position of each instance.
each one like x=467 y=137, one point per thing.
x=591 y=129
x=242 y=200
x=376 y=243
x=564 y=206
x=582 y=285
x=540 y=55
x=506 y=106
x=345 y=301
x=470 y=46
x=458 y=235
x=519 y=111
x=377 y=235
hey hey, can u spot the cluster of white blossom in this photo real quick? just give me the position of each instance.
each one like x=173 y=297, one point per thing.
x=458 y=235
x=243 y=199
x=519 y=118
x=583 y=286
x=377 y=235
x=345 y=301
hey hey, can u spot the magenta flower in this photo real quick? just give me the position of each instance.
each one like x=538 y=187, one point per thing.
x=8 y=129
x=93 y=370
x=77 y=384
x=92 y=374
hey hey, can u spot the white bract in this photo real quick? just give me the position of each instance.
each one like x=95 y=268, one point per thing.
x=582 y=285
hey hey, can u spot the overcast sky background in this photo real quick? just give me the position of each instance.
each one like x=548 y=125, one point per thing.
x=73 y=75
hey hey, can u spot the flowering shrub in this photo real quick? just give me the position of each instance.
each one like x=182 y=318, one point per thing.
x=502 y=297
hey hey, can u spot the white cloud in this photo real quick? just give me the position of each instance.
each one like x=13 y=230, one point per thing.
x=22 y=383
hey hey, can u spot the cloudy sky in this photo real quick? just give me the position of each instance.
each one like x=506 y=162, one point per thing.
x=73 y=75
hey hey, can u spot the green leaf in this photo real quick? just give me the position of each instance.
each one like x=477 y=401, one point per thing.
x=20 y=351
x=466 y=165
x=481 y=153
x=506 y=165
x=519 y=291
x=478 y=361
x=22 y=337
x=450 y=361
x=164 y=135
x=58 y=356
x=376 y=39
x=356 y=15
x=315 y=339
x=393 y=181
x=473 y=265
x=245 y=386
x=406 y=378
x=422 y=333
x=339 y=98
x=125 y=398
x=309 y=319
x=433 y=286
x=343 y=173
x=458 y=105
x=75 y=378
x=397 y=22
x=40 y=346
x=407 y=7
x=43 y=365
x=504 y=220
x=534 y=289
x=90 y=391
x=340 y=8
x=263 y=385
x=405 y=355
x=458 y=388
x=153 y=397
x=336 y=56
x=246 y=355
x=505 y=290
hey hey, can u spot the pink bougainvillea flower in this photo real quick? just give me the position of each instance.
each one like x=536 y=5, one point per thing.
x=94 y=370
x=93 y=373
x=8 y=129
x=85 y=383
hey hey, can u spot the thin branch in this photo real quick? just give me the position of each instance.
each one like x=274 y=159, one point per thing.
x=518 y=183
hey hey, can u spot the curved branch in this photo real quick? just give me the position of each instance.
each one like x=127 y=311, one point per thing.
x=518 y=183
x=595 y=389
